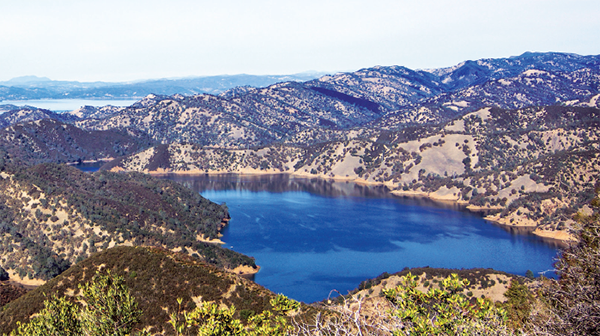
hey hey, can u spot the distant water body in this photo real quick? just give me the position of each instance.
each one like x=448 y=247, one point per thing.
x=68 y=104
x=311 y=236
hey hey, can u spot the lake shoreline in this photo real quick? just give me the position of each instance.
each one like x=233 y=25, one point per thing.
x=563 y=237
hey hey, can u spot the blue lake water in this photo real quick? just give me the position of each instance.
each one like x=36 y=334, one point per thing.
x=68 y=104
x=312 y=236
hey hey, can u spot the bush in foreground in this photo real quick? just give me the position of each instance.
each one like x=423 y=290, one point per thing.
x=108 y=309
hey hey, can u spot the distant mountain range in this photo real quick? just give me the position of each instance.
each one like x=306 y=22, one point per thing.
x=32 y=87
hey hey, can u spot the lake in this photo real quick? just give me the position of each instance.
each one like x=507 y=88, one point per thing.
x=311 y=236
x=68 y=104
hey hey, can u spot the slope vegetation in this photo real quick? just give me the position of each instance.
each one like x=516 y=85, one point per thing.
x=54 y=215
x=49 y=140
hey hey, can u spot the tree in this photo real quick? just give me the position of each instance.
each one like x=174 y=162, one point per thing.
x=519 y=303
x=529 y=274
x=58 y=318
x=110 y=308
x=3 y=274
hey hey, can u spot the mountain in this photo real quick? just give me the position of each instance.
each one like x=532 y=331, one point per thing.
x=92 y=112
x=52 y=216
x=27 y=80
x=49 y=140
x=530 y=88
x=18 y=115
x=327 y=108
x=32 y=87
x=477 y=72
x=434 y=95
x=256 y=118
x=388 y=98
x=18 y=93
x=10 y=107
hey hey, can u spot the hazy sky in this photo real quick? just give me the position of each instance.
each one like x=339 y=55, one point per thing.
x=124 y=40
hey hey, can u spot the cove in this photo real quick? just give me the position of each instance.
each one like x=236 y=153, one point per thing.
x=311 y=236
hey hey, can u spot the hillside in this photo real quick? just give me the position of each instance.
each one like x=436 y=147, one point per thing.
x=49 y=140
x=534 y=166
x=259 y=117
x=54 y=215
x=156 y=278
x=487 y=283
x=19 y=115
x=530 y=88
x=390 y=98
x=10 y=292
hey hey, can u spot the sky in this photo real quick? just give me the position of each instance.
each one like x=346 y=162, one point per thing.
x=123 y=40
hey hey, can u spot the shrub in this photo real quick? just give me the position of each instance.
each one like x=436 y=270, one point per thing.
x=109 y=309
x=445 y=312
x=208 y=319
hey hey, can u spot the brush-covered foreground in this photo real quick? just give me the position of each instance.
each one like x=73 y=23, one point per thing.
x=156 y=278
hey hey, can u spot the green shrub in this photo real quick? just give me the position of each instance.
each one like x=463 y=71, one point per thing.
x=109 y=309
x=445 y=312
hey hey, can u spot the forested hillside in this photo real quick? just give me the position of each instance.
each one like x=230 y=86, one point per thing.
x=55 y=215
x=49 y=140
